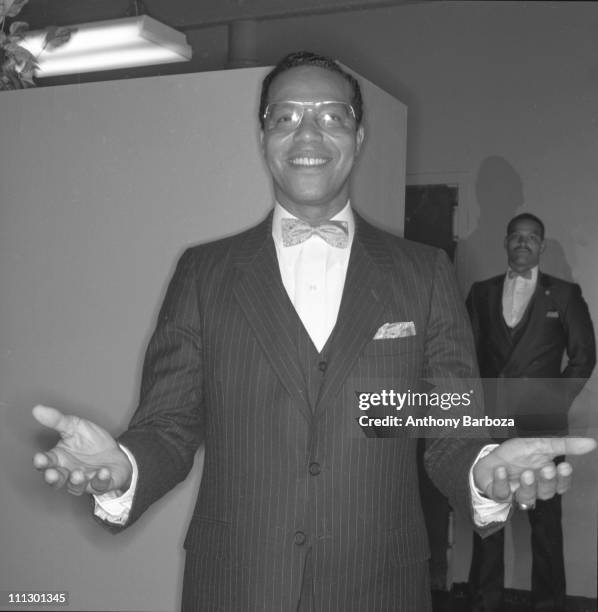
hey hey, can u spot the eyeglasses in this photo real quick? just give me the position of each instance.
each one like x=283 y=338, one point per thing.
x=329 y=115
x=519 y=236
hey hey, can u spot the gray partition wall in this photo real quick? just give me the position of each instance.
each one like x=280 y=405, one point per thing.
x=102 y=186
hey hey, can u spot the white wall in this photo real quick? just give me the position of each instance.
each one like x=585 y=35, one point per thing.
x=101 y=187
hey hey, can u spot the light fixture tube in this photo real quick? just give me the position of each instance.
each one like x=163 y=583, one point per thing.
x=108 y=45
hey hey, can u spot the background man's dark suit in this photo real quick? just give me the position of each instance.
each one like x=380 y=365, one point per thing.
x=524 y=379
x=556 y=320
x=288 y=471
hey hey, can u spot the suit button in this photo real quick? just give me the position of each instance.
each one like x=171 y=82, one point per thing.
x=299 y=538
x=322 y=365
x=314 y=468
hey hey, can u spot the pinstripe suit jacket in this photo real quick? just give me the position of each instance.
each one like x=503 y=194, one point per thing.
x=284 y=475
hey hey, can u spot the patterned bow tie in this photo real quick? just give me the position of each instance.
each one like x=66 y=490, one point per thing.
x=527 y=274
x=296 y=231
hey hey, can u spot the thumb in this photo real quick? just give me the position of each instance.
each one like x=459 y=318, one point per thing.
x=572 y=446
x=54 y=419
x=579 y=446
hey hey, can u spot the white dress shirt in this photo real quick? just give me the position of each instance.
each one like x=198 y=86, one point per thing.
x=516 y=294
x=313 y=274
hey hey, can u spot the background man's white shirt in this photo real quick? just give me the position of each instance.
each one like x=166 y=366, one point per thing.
x=516 y=295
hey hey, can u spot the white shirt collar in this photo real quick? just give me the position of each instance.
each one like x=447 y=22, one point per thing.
x=346 y=214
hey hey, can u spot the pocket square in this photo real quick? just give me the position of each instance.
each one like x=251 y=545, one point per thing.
x=400 y=329
x=552 y=314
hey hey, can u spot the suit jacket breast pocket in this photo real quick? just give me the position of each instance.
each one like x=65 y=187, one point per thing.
x=552 y=320
x=392 y=346
x=552 y=330
x=393 y=358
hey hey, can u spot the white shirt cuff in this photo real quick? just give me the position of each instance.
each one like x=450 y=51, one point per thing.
x=485 y=510
x=115 y=506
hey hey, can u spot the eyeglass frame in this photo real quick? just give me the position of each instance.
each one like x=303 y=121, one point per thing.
x=531 y=236
x=305 y=105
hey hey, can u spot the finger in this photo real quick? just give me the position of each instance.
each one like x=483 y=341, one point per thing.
x=579 y=446
x=54 y=419
x=43 y=461
x=500 y=490
x=76 y=482
x=525 y=495
x=564 y=475
x=571 y=446
x=547 y=482
x=101 y=482
x=56 y=477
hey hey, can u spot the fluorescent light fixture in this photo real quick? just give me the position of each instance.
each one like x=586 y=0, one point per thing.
x=107 y=45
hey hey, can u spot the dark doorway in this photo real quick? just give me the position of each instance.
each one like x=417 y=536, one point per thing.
x=429 y=218
x=429 y=215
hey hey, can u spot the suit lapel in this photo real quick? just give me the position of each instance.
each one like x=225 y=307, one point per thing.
x=535 y=314
x=265 y=303
x=367 y=291
x=501 y=330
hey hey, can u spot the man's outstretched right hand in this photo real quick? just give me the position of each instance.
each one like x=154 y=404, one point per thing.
x=87 y=459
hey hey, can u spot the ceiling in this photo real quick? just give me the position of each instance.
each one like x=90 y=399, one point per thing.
x=185 y=14
x=203 y=21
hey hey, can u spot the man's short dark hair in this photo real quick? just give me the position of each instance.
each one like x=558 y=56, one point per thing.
x=526 y=217
x=307 y=58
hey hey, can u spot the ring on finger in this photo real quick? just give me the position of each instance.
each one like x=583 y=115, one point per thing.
x=526 y=506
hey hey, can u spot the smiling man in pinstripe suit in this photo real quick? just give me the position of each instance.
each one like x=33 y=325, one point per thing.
x=260 y=345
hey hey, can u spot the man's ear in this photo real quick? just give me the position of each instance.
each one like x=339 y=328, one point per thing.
x=542 y=246
x=359 y=138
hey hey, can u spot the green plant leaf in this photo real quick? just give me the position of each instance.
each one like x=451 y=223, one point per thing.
x=27 y=79
x=5 y=7
x=23 y=59
x=11 y=78
x=57 y=36
x=11 y=8
x=18 y=27
x=10 y=46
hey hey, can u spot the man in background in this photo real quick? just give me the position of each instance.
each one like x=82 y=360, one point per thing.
x=524 y=321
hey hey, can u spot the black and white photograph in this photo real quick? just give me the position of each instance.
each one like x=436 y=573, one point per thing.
x=298 y=306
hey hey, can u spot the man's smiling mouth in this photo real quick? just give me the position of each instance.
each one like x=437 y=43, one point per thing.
x=308 y=162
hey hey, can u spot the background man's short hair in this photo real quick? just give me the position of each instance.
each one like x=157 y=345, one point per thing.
x=307 y=58
x=526 y=217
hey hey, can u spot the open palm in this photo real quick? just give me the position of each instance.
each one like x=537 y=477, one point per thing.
x=523 y=468
x=86 y=459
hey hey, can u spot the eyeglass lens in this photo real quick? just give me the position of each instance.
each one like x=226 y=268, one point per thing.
x=287 y=116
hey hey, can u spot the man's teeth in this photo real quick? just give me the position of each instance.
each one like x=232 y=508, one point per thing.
x=307 y=161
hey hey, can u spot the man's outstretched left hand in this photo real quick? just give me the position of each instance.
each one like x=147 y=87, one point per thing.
x=522 y=469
